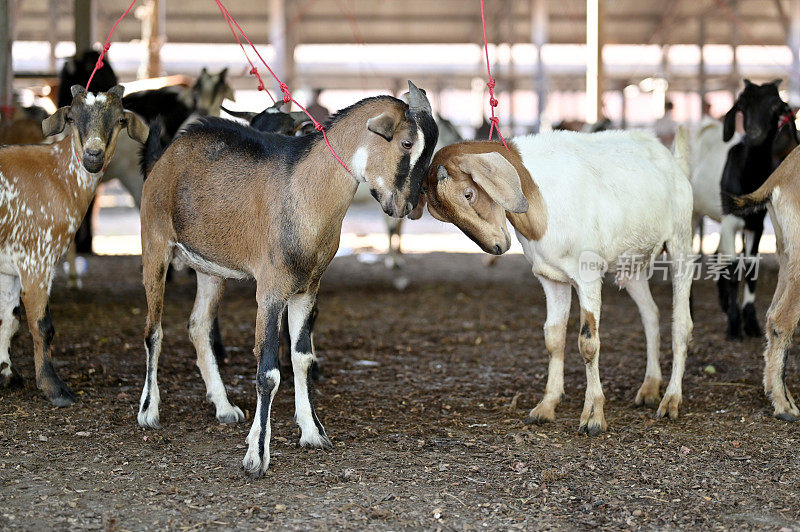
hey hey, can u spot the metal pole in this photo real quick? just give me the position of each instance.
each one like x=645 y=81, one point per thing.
x=702 y=77
x=85 y=22
x=539 y=18
x=794 y=46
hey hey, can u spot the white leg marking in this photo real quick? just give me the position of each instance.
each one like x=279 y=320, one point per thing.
x=148 y=404
x=209 y=290
x=9 y=300
x=256 y=460
x=312 y=434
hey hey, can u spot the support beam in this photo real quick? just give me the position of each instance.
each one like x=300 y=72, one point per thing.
x=153 y=15
x=734 y=76
x=794 y=46
x=594 y=61
x=85 y=24
x=281 y=43
x=539 y=18
x=6 y=71
x=702 y=75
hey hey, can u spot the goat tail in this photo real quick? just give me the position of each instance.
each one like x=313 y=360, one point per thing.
x=682 y=150
x=748 y=203
x=152 y=150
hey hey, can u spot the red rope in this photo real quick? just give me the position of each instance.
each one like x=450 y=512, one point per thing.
x=492 y=100
x=287 y=96
x=107 y=45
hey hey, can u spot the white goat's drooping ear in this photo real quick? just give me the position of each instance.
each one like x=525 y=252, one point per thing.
x=441 y=173
x=494 y=174
x=383 y=125
x=54 y=124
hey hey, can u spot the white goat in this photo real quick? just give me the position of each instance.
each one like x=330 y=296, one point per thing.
x=580 y=203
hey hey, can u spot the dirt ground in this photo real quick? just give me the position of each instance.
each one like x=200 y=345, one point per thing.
x=416 y=394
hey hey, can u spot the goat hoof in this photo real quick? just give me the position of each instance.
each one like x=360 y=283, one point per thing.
x=10 y=381
x=648 y=393
x=233 y=414
x=786 y=416
x=669 y=406
x=253 y=465
x=318 y=441
x=62 y=397
x=591 y=429
x=148 y=421
x=536 y=419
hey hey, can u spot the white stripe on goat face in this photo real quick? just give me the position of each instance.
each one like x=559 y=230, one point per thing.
x=359 y=164
x=417 y=149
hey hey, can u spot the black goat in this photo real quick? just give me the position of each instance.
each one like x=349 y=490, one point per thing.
x=770 y=134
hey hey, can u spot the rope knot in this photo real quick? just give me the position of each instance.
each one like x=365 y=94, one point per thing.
x=100 y=63
x=106 y=46
x=491 y=83
x=261 y=86
x=493 y=102
x=318 y=126
x=494 y=120
x=287 y=96
x=254 y=71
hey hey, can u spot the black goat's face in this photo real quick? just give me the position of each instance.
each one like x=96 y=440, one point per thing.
x=762 y=109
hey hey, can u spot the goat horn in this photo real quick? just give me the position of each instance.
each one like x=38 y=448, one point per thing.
x=417 y=101
x=244 y=115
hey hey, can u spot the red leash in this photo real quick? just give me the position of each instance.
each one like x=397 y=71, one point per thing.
x=789 y=116
x=107 y=45
x=287 y=96
x=492 y=100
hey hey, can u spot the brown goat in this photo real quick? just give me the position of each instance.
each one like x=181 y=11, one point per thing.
x=233 y=203
x=780 y=194
x=45 y=190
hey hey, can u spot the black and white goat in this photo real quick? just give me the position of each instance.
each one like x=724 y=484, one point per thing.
x=770 y=134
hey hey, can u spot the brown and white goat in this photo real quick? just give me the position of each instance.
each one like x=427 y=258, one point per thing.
x=780 y=194
x=581 y=203
x=232 y=202
x=45 y=190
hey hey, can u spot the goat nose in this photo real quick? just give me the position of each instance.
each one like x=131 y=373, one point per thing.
x=93 y=153
x=498 y=250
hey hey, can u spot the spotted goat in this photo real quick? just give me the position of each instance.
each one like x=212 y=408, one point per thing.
x=232 y=202
x=45 y=191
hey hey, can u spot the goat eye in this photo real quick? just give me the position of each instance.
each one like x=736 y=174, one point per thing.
x=123 y=121
x=469 y=194
x=406 y=144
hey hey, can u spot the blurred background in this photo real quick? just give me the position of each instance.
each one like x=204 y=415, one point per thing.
x=558 y=64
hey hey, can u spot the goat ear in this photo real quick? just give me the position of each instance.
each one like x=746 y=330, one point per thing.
x=137 y=129
x=54 y=124
x=77 y=89
x=747 y=82
x=498 y=177
x=441 y=173
x=776 y=82
x=436 y=214
x=729 y=124
x=117 y=90
x=384 y=125
x=416 y=212
x=223 y=73
x=228 y=93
